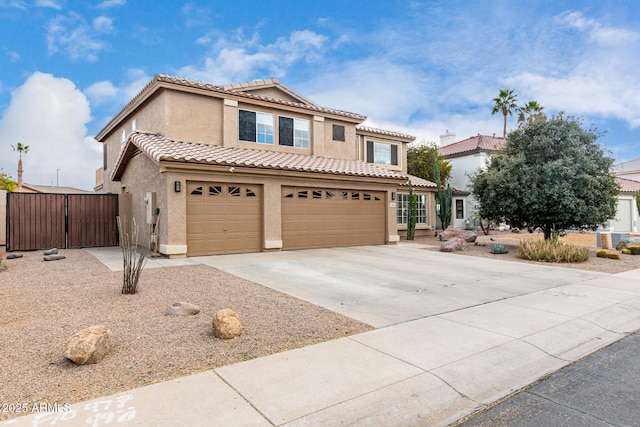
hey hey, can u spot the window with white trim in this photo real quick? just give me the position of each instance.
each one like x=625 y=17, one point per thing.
x=123 y=136
x=382 y=153
x=293 y=132
x=255 y=127
x=402 y=208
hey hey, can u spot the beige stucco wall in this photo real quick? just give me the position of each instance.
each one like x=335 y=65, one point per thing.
x=194 y=118
x=347 y=149
x=140 y=177
x=3 y=218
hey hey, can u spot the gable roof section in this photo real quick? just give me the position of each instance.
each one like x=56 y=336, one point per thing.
x=179 y=83
x=628 y=185
x=161 y=149
x=626 y=167
x=258 y=85
x=474 y=144
x=419 y=182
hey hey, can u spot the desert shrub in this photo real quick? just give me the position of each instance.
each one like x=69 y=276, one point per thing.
x=499 y=249
x=634 y=249
x=613 y=255
x=626 y=251
x=602 y=253
x=552 y=251
x=134 y=256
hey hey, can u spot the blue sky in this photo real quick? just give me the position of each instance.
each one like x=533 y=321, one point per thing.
x=419 y=67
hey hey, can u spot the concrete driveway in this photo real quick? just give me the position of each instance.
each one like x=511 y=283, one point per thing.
x=387 y=285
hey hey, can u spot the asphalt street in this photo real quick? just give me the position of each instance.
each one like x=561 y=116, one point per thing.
x=602 y=389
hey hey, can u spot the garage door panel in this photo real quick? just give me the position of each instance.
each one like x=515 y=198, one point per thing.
x=223 y=218
x=332 y=217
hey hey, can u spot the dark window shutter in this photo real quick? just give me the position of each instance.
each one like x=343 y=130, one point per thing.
x=285 y=131
x=370 y=151
x=394 y=155
x=338 y=133
x=104 y=155
x=247 y=126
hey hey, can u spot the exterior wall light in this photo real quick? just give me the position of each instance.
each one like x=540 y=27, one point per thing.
x=177 y=186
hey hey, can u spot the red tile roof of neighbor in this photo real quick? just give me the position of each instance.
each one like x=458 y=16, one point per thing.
x=159 y=148
x=625 y=167
x=628 y=185
x=474 y=143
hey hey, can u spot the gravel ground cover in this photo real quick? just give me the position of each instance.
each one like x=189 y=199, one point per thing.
x=511 y=241
x=45 y=302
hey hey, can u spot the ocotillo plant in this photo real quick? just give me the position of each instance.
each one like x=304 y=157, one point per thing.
x=411 y=214
x=133 y=256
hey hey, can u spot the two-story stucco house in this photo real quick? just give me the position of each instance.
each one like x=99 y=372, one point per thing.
x=466 y=156
x=253 y=167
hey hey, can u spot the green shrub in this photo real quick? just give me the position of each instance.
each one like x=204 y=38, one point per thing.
x=602 y=253
x=552 y=251
x=626 y=251
x=634 y=249
x=613 y=255
x=499 y=249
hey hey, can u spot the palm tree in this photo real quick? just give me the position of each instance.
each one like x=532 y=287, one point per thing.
x=530 y=112
x=20 y=149
x=505 y=103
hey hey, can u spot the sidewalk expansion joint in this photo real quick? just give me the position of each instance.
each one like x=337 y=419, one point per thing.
x=244 y=398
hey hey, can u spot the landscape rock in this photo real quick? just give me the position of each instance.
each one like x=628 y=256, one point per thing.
x=14 y=256
x=89 y=345
x=226 y=324
x=182 y=309
x=451 y=232
x=452 y=245
x=623 y=244
x=52 y=251
x=54 y=257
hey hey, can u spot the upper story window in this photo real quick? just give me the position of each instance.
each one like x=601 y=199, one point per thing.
x=338 y=133
x=293 y=132
x=255 y=127
x=123 y=136
x=382 y=153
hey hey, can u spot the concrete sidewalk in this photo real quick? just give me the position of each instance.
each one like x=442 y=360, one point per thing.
x=431 y=369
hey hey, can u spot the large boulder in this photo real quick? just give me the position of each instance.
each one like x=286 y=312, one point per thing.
x=182 y=309
x=226 y=324
x=624 y=243
x=452 y=245
x=89 y=345
x=466 y=235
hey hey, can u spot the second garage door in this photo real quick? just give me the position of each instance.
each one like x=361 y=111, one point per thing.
x=319 y=218
x=223 y=218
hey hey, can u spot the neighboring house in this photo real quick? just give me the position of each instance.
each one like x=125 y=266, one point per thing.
x=466 y=157
x=628 y=178
x=253 y=167
x=50 y=189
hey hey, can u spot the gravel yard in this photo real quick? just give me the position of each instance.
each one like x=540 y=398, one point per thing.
x=511 y=241
x=45 y=302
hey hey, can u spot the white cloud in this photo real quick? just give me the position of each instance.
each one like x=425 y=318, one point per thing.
x=72 y=35
x=48 y=3
x=103 y=24
x=111 y=3
x=49 y=115
x=239 y=59
x=13 y=55
x=603 y=81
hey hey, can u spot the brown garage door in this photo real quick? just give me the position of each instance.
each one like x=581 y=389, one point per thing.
x=223 y=218
x=320 y=218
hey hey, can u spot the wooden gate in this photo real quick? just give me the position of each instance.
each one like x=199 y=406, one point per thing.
x=40 y=221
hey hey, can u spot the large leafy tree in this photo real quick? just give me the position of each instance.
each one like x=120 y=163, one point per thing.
x=551 y=174
x=420 y=163
x=505 y=103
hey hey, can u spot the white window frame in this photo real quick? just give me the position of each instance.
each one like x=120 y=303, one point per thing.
x=402 y=208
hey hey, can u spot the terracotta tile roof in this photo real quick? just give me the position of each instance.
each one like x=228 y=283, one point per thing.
x=626 y=167
x=266 y=83
x=628 y=185
x=475 y=143
x=419 y=182
x=159 y=149
x=384 y=132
